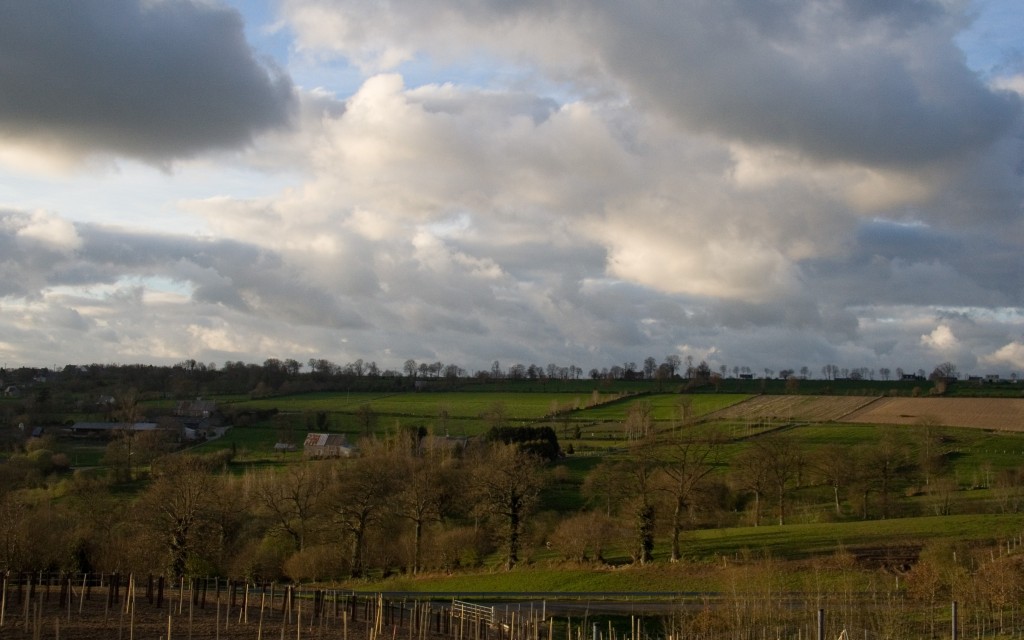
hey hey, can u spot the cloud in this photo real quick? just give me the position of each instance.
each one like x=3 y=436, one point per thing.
x=834 y=84
x=1011 y=354
x=157 y=80
x=838 y=81
x=941 y=339
x=768 y=185
x=50 y=231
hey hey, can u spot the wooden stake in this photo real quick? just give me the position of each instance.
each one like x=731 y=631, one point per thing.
x=3 y=602
x=128 y=595
x=81 y=598
x=28 y=598
x=259 y=630
x=131 y=617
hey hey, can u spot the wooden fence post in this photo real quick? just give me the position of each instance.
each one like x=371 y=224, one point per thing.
x=955 y=627
x=3 y=601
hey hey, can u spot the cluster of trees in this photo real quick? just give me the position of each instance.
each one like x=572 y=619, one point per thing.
x=190 y=378
x=405 y=502
x=673 y=482
x=412 y=501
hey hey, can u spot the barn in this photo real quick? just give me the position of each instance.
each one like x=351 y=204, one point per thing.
x=327 y=445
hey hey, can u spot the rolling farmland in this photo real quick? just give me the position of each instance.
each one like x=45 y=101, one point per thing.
x=794 y=408
x=1005 y=414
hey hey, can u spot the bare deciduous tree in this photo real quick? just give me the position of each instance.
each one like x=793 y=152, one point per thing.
x=359 y=490
x=639 y=420
x=425 y=492
x=636 y=477
x=176 y=506
x=835 y=467
x=507 y=481
x=293 y=500
x=686 y=462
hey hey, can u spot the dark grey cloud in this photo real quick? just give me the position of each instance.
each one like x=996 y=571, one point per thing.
x=873 y=82
x=870 y=85
x=891 y=263
x=155 y=80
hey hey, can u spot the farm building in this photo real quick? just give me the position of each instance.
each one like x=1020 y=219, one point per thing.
x=327 y=445
x=196 y=409
x=109 y=428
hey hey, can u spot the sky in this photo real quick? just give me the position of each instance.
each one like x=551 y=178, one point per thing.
x=772 y=184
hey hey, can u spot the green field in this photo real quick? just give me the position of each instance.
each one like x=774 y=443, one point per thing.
x=977 y=464
x=666 y=407
x=520 y=406
x=707 y=551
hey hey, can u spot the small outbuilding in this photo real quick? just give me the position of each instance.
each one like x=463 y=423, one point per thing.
x=327 y=445
x=110 y=429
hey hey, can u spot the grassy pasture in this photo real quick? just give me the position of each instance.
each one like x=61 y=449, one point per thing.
x=83 y=453
x=254 y=444
x=666 y=406
x=799 y=541
x=972 y=451
x=709 y=553
x=519 y=406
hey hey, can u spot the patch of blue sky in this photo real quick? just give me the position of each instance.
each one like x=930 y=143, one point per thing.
x=488 y=73
x=451 y=226
x=165 y=286
x=264 y=30
x=152 y=286
x=992 y=44
x=904 y=314
x=137 y=195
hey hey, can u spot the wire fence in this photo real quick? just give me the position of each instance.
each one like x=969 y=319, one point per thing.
x=91 y=606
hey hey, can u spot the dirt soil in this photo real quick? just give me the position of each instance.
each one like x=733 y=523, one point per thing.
x=150 y=623
x=1006 y=414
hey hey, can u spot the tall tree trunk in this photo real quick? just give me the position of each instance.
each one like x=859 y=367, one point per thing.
x=356 y=560
x=417 y=543
x=782 y=505
x=179 y=550
x=645 y=534
x=513 y=539
x=677 y=528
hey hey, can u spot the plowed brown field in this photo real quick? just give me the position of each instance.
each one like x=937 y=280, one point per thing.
x=1006 y=414
x=795 y=408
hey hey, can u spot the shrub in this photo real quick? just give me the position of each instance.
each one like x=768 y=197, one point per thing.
x=60 y=462
x=316 y=563
x=583 y=537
